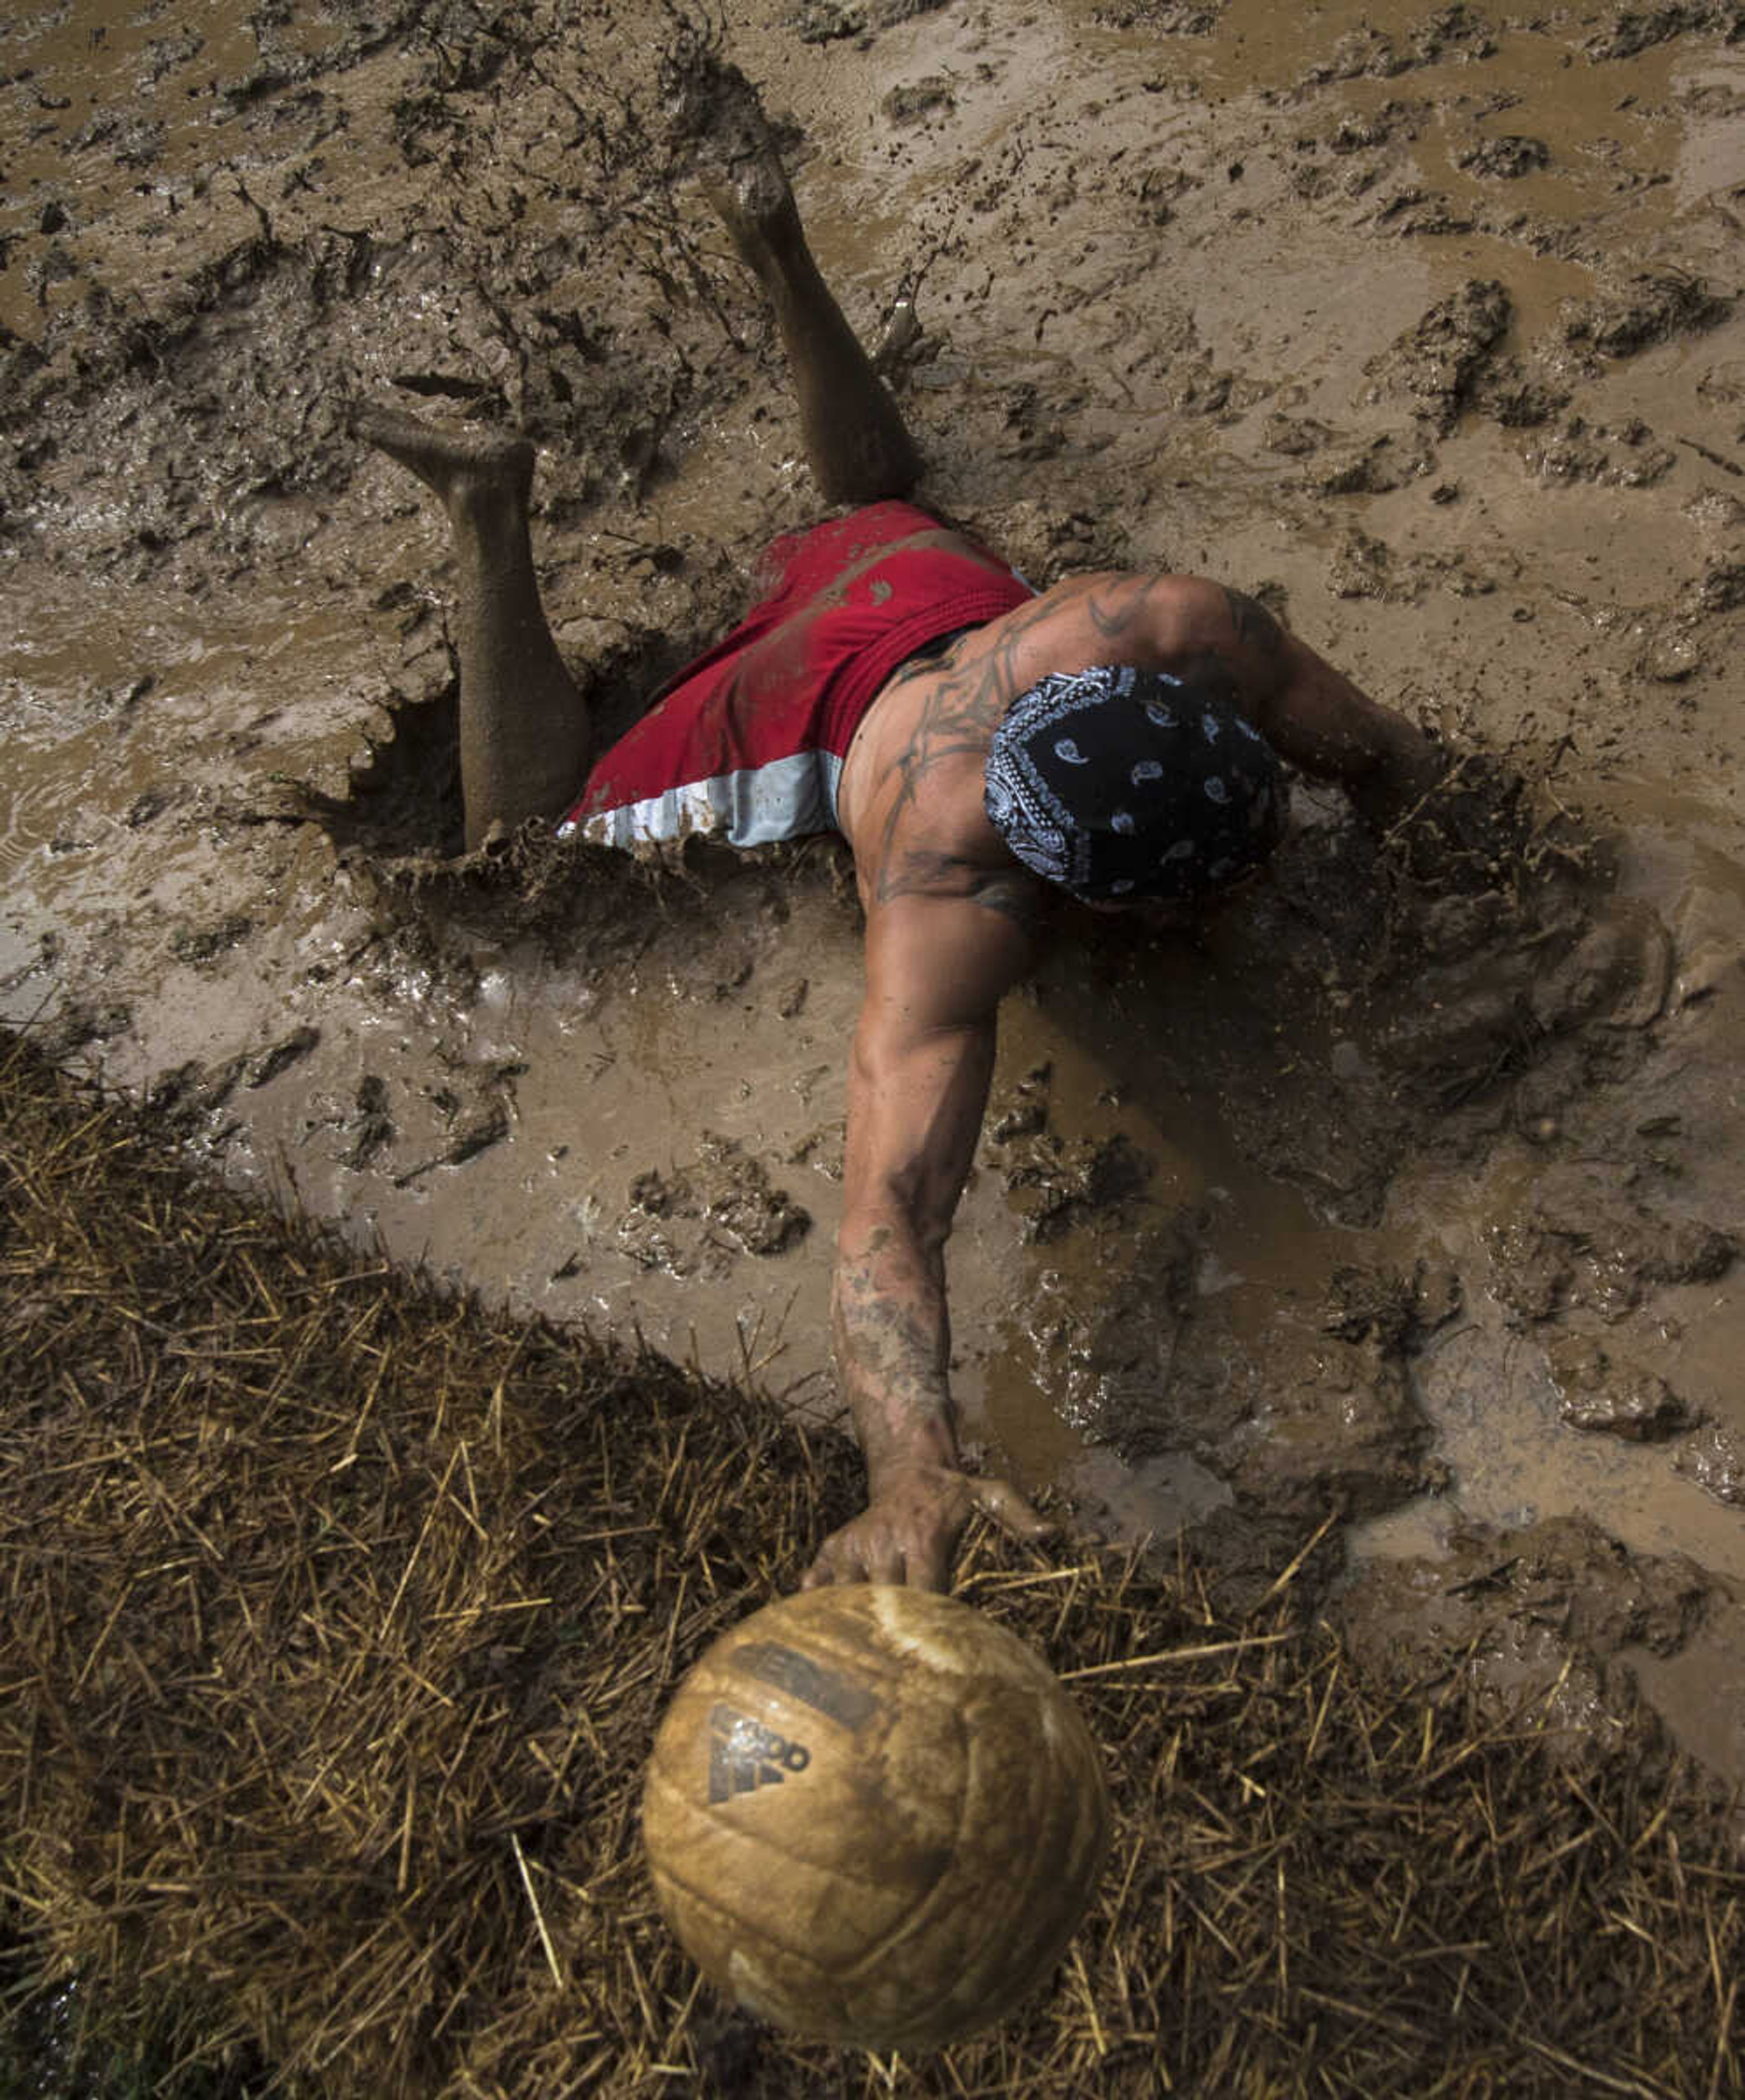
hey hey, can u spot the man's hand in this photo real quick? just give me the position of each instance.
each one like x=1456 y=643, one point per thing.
x=906 y=1532
x=1408 y=770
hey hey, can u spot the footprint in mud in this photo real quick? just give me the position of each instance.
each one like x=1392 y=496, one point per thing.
x=1294 y=1417
x=1060 y=1183
x=1579 y=1239
x=402 y=796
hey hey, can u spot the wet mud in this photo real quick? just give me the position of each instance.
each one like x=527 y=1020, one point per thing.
x=1403 y=1194
x=1549 y=1611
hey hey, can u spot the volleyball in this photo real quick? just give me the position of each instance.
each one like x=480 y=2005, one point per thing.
x=874 y=1817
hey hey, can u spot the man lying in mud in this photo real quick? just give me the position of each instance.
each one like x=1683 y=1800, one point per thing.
x=1120 y=740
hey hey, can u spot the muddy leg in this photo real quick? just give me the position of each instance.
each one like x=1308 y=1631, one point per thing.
x=525 y=735
x=853 y=435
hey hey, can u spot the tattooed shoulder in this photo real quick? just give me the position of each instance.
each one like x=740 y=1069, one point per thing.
x=919 y=871
x=1010 y=892
x=1254 y=624
x=1014 y=896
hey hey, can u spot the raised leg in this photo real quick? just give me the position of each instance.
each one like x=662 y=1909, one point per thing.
x=525 y=736
x=853 y=435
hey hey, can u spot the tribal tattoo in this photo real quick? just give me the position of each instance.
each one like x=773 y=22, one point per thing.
x=958 y=721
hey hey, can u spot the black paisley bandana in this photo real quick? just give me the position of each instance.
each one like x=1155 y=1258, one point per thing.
x=1119 y=783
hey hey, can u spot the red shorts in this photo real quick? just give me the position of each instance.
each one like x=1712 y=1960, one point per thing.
x=748 y=741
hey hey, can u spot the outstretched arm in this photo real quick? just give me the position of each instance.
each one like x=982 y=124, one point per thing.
x=1313 y=715
x=918 y=1080
x=1316 y=718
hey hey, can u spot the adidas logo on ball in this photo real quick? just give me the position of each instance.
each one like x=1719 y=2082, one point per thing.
x=743 y=1755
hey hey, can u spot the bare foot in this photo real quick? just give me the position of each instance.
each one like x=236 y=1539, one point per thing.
x=465 y=469
x=719 y=131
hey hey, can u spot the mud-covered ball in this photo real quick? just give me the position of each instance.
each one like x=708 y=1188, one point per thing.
x=874 y=1817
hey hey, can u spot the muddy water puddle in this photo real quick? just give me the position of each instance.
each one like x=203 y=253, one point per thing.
x=1135 y=1182
x=1597 y=1397
x=1486 y=1375
x=1204 y=303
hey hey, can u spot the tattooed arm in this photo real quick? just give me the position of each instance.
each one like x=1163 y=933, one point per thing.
x=923 y=1052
